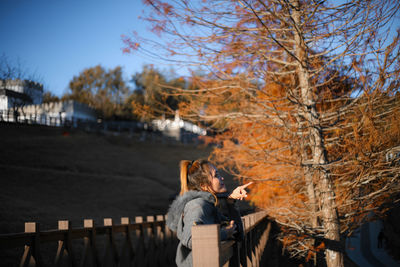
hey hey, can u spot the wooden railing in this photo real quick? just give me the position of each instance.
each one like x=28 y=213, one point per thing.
x=143 y=243
x=209 y=251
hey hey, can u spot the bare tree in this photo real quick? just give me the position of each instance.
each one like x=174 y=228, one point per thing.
x=13 y=74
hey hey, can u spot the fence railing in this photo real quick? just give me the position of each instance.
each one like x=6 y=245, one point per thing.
x=142 y=243
x=209 y=251
x=144 y=130
x=45 y=119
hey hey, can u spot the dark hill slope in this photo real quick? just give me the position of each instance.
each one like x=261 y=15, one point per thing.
x=47 y=175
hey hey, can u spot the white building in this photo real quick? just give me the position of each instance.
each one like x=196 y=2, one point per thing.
x=22 y=100
x=16 y=93
x=178 y=128
x=56 y=113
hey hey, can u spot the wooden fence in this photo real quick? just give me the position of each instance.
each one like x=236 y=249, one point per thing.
x=209 y=251
x=142 y=243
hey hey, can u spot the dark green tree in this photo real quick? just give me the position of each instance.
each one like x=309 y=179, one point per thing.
x=156 y=92
x=105 y=90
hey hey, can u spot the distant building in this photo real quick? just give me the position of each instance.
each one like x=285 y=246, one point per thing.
x=56 y=113
x=178 y=129
x=22 y=100
x=15 y=93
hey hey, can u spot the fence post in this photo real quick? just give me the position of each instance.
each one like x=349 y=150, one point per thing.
x=90 y=250
x=160 y=239
x=235 y=259
x=151 y=256
x=171 y=244
x=206 y=245
x=253 y=239
x=243 y=246
x=110 y=253
x=31 y=256
x=140 y=244
x=65 y=245
x=247 y=240
x=127 y=250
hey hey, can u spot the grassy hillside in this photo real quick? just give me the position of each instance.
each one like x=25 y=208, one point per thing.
x=47 y=175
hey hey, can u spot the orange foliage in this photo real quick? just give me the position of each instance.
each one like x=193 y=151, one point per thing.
x=284 y=113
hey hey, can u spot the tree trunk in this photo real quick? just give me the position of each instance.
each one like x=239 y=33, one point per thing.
x=329 y=211
x=312 y=198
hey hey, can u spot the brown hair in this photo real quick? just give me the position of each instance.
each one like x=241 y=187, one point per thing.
x=194 y=175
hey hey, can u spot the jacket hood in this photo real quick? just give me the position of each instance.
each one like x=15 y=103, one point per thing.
x=178 y=205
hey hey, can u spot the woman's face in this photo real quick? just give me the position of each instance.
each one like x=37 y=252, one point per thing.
x=217 y=181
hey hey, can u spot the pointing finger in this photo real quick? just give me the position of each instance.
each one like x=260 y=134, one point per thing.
x=246 y=185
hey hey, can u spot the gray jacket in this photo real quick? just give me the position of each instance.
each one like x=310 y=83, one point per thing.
x=192 y=208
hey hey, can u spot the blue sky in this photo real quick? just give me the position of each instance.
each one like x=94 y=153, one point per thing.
x=57 y=39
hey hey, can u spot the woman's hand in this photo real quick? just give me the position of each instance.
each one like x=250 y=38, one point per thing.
x=239 y=192
x=230 y=229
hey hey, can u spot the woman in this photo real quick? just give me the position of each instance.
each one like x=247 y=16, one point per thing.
x=196 y=204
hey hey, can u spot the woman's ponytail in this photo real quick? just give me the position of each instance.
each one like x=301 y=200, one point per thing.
x=184 y=175
x=195 y=175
